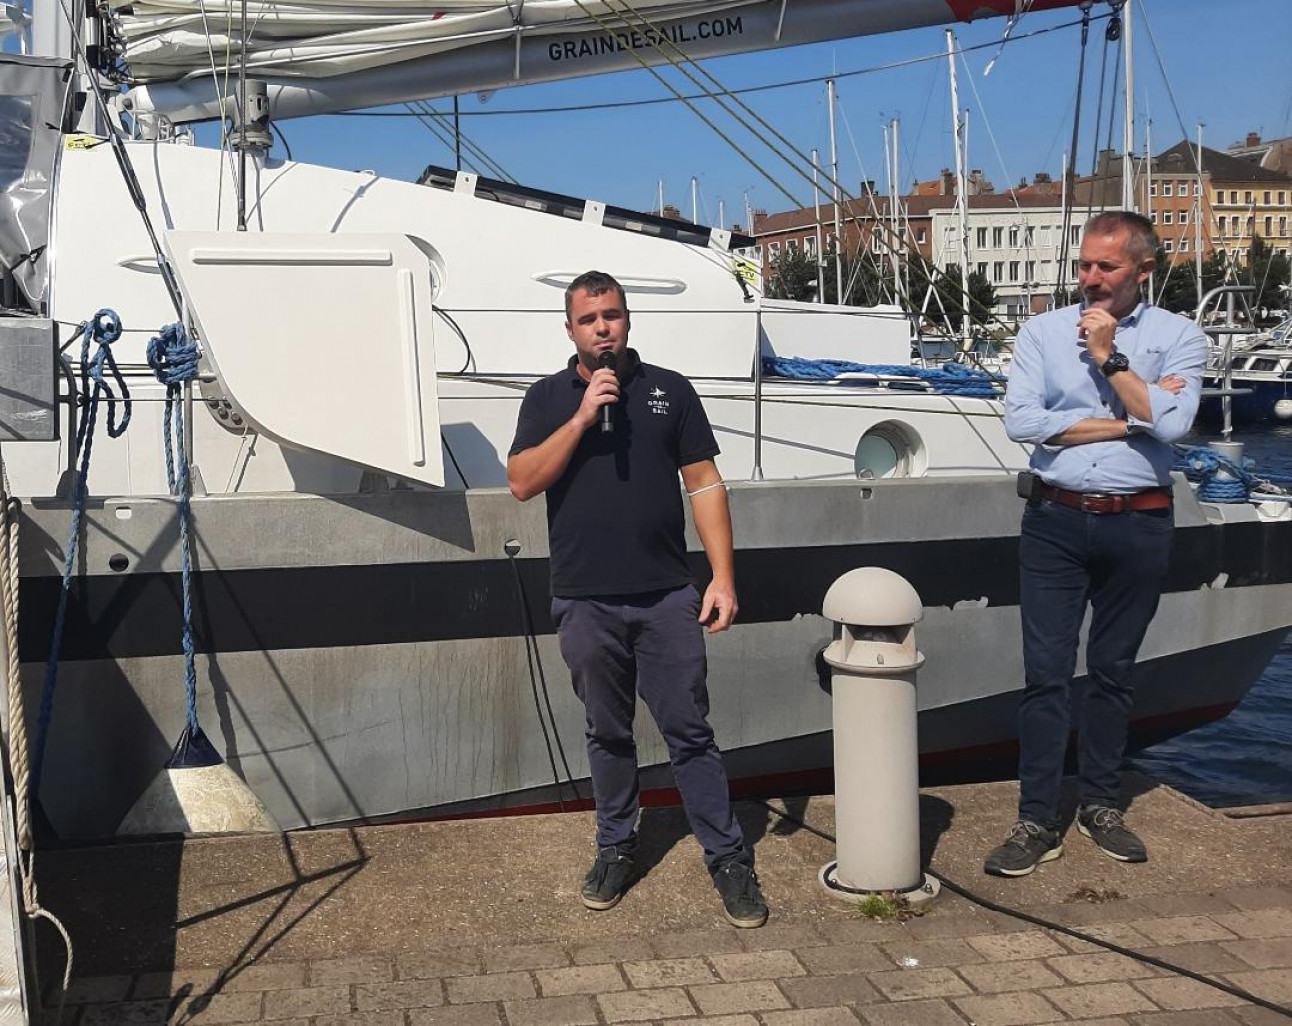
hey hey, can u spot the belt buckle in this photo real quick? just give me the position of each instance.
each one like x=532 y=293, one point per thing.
x=1097 y=503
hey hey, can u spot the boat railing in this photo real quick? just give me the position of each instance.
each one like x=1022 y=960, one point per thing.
x=1224 y=335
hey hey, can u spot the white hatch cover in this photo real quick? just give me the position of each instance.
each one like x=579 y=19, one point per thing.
x=324 y=342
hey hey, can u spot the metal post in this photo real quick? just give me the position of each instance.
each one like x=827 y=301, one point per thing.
x=1226 y=400
x=695 y=217
x=834 y=172
x=894 y=234
x=820 y=242
x=962 y=200
x=1128 y=114
x=1148 y=194
x=1197 y=222
x=457 y=135
x=758 y=397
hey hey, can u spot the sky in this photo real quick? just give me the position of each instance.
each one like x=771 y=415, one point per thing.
x=1228 y=64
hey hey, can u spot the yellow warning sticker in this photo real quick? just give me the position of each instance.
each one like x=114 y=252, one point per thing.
x=747 y=270
x=81 y=142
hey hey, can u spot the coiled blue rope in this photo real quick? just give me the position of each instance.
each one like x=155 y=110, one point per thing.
x=1221 y=480
x=172 y=355
x=98 y=366
x=950 y=379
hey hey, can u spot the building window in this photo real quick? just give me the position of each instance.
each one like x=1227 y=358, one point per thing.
x=1074 y=270
x=1168 y=188
x=791 y=245
x=923 y=236
x=1153 y=216
x=773 y=250
x=1233 y=195
x=1247 y=198
x=1031 y=270
x=1269 y=226
x=1167 y=245
x=1076 y=235
x=1267 y=197
x=1220 y=226
x=1197 y=188
x=997 y=234
x=1184 y=243
x=982 y=238
x=1013 y=236
x=1029 y=235
x=1283 y=225
x=876 y=244
x=998 y=271
x=1152 y=187
x=1282 y=198
x=809 y=244
x=1166 y=216
x=1045 y=237
x=1251 y=225
x=1013 y=270
x=982 y=270
x=1233 y=226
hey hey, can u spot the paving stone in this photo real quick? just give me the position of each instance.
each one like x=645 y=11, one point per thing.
x=757 y=965
x=1209 y=1017
x=1115 y=933
x=1257 y=1016
x=946 y=927
x=615 y=949
x=243 y=1006
x=1100 y=967
x=696 y=942
x=1185 y=904
x=1086 y=913
x=1179 y=993
x=640 y=1005
x=1015 y=1009
x=1095 y=999
x=726 y=998
x=912 y=1013
x=716 y=1020
x=998 y=977
x=402 y=994
x=464 y=1015
x=386 y=1017
x=1010 y=947
x=814 y=1017
x=524 y=956
x=494 y=987
x=1207 y=957
x=421 y=965
x=94 y=990
x=1274 y=922
x=1274 y=953
x=909 y=984
x=845 y=958
x=1182 y=929
x=860 y=931
x=1255 y=898
x=569 y=1010
x=580 y=979
x=126 y=1013
x=276 y=976
x=931 y=954
x=783 y=936
x=302 y=1002
x=331 y=972
x=825 y=991
x=1271 y=984
x=181 y=983
x=668 y=972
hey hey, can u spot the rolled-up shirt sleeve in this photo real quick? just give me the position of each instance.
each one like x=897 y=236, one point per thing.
x=1173 y=414
x=1027 y=417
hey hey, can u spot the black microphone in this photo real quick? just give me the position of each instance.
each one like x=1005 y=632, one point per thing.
x=606 y=359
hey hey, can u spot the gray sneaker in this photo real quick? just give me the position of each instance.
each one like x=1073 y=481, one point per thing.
x=1106 y=826
x=608 y=880
x=1027 y=846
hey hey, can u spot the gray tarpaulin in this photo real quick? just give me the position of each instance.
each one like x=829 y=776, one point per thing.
x=34 y=93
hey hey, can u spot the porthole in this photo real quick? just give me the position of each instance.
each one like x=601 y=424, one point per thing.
x=890 y=449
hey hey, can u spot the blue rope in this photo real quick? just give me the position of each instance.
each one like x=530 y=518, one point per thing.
x=102 y=330
x=172 y=355
x=1203 y=465
x=950 y=379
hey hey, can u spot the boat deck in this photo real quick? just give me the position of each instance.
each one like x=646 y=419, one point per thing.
x=477 y=923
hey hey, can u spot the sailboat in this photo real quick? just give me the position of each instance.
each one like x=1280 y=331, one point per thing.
x=369 y=602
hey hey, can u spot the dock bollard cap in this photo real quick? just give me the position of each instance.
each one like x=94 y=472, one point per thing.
x=873 y=597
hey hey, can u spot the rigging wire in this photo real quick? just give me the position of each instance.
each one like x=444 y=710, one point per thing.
x=1069 y=172
x=484 y=158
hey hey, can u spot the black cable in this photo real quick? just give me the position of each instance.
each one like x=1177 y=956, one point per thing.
x=283 y=139
x=461 y=334
x=454 y=460
x=535 y=659
x=1027 y=917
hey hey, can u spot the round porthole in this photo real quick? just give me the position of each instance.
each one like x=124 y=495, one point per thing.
x=890 y=449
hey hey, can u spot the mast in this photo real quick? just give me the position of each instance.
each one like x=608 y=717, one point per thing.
x=1128 y=114
x=834 y=173
x=962 y=200
x=816 y=207
x=894 y=225
x=660 y=201
x=1148 y=191
x=1197 y=223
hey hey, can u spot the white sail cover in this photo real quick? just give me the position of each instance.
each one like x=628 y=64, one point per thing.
x=315 y=56
x=170 y=39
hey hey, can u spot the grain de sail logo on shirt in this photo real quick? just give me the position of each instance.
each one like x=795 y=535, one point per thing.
x=657 y=403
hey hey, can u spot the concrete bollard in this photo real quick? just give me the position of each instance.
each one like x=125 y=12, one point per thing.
x=876 y=752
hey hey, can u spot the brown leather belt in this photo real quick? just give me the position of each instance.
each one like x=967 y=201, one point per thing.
x=1102 y=502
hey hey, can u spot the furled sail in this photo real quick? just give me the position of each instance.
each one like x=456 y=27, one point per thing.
x=326 y=55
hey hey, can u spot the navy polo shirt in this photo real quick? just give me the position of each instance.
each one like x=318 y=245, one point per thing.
x=614 y=517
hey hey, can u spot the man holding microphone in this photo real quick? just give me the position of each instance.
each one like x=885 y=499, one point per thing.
x=1101 y=390
x=605 y=439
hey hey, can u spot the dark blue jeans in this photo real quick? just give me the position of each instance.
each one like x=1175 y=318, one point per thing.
x=616 y=646
x=1117 y=564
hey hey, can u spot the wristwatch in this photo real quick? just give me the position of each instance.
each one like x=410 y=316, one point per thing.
x=1116 y=362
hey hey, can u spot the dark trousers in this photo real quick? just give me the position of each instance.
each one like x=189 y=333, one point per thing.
x=1117 y=563
x=616 y=646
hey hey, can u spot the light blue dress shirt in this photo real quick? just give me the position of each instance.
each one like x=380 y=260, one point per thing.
x=1053 y=383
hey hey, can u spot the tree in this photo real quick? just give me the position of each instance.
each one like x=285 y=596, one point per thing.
x=1175 y=286
x=793 y=276
x=862 y=285
x=1269 y=272
x=946 y=283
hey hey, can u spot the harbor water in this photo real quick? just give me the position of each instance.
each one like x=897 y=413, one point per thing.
x=1245 y=758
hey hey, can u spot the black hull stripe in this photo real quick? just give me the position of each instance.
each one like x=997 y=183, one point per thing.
x=332 y=606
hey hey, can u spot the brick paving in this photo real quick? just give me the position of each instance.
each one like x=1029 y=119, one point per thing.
x=947 y=968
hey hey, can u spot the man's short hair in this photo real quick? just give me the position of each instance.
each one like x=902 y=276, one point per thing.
x=594 y=283
x=1141 y=242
